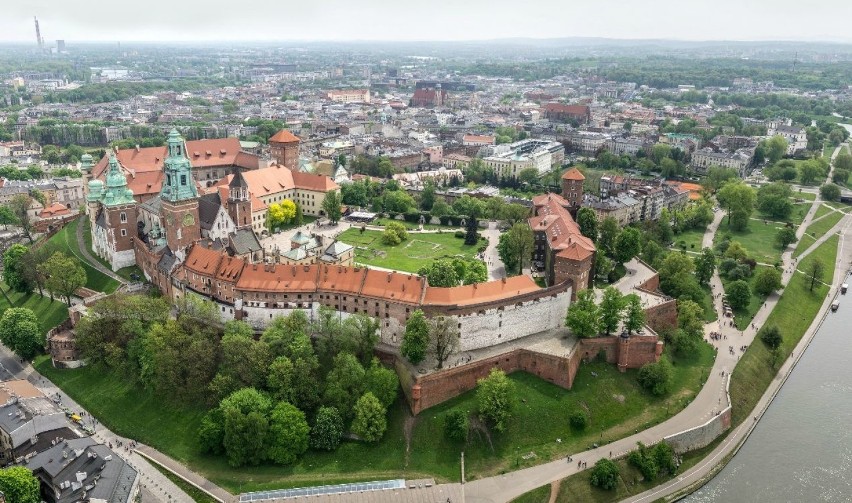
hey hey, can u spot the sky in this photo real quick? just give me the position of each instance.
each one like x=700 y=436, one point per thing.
x=408 y=20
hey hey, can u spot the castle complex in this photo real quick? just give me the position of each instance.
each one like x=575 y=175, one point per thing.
x=191 y=243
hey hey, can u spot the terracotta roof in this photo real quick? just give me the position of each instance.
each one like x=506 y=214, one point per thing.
x=341 y=278
x=278 y=278
x=230 y=269
x=573 y=174
x=560 y=229
x=54 y=210
x=284 y=136
x=203 y=260
x=395 y=286
x=201 y=154
x=479 y=138
x=309 y=181
x=567 y=109
x=480 y=293
x=274 y=179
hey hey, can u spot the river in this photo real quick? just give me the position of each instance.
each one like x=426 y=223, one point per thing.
x=801 y=449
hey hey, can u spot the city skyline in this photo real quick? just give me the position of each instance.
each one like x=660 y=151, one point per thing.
x=443 y=20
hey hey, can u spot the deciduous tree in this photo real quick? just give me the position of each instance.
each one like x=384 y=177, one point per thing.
x=19 y=485
x=611 y=308
x=815 y=270
x=583 y=315
x=370 y=422
x=634 y=315
x=588 y=222
x=287 y=438
x=767 y=280
x=415 y=341
x=515 y=248
x=331 y=205
x=495 y=397
x=20 y=332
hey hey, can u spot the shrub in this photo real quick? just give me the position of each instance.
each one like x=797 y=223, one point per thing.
x=578 y=420
x=604 y=474
x=656 y=377
x=459 y=234
x=394 y=234
x=445 y=219
x=456 y=426
x=412 y=217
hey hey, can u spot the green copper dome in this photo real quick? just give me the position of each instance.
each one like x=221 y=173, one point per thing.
x=116 y=192
x=178 y=184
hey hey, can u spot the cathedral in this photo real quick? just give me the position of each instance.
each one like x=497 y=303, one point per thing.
x=227 y=214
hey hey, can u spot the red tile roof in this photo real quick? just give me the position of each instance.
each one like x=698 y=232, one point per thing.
x=399 y=287
x=279 y=278
x=573 y=174
x=203 y=260
x=560 y=229
x=480 y=293
x=284 y=136
x=340 y=278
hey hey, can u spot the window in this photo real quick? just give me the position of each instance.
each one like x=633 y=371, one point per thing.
x=183 y=179
x=123 y=217
x=123 y=232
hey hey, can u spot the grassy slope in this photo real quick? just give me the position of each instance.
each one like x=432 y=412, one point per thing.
x=743 y=317
x=538 y=495
x=125 y=272
x=408 y=256
x=793 y=315
x=539 y=421
x=815 y=231
x=49 y=313
x=66 y=242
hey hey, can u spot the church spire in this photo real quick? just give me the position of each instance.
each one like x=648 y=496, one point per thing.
x=178 y=184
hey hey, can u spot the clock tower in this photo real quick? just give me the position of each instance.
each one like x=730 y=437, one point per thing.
x=179 y=207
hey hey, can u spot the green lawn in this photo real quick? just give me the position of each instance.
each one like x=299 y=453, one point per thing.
x=793 y=314
x=807 y=196
x=49 y=313
x=616 y=406
x=66 y=242
x=828 y=150
x=578 y=488
x=538 y=495
x=845 y=208
x=815 y=231
x=691 y=239
x=758 y=239
x=822 y=210
x=414 y=226
x=743 y=317
x=409 y=256
x=126 y=272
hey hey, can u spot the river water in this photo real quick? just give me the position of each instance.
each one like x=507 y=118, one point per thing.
x=801 y=449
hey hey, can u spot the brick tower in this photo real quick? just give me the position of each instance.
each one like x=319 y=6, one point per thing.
x=112 y=215
x=572 y=187
x=284 y=148
x=179 y=196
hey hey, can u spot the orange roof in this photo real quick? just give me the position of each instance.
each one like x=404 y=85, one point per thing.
x=279 y=278
x=276 y=178
x=399 y=287
x=560 y=229
x=284 y=136
x=203 y=260
x=54 y=210
x=230 y=269
x=479 y=138
x=573 y=174
x=309 y=181
x=480 y=293
x=341 y=279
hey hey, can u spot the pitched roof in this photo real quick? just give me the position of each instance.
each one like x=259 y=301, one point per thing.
x=274 y=179
x=284 y=136
x=203 y=260
x=310 y=181
x=573 y=174
x=396 y=286
x=560 y=229
x=279 y=278
x=244 y=241
x=480 y=293
x=341 y=278
x=208 y=208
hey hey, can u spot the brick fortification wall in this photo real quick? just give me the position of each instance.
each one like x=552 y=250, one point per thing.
x=663 y=316
x=440 y=386
x=426 y=391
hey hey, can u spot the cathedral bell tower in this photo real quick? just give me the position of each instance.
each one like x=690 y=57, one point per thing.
x=179 y=197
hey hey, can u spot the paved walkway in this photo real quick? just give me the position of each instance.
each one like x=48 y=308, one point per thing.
x=87 y=257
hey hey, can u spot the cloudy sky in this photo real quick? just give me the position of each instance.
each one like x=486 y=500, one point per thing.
x=162 y=20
